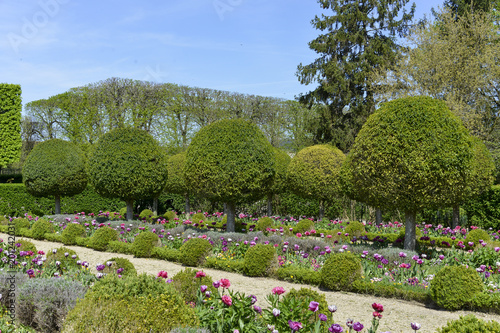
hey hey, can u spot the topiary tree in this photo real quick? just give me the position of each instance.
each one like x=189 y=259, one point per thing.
x=314 y=173
x=280 y=182
x=129 y=164
x=340 y=271
x=413 y=153
x=231 y=161
x=176 y=182
x=55 y=167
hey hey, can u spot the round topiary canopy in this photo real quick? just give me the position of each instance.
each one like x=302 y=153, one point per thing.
x=129 y=164
x=55 y=168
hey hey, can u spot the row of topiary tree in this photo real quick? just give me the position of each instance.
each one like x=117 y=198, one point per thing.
x=412 y=153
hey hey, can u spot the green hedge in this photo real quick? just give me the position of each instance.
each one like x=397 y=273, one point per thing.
x=15 y=201
x=484 y=210
x=16 y=178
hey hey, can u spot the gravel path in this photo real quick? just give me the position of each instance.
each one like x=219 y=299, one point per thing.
x=397 y=313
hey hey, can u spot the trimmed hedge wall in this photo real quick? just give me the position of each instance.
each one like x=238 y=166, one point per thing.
x=15 y=201
x=484 y=210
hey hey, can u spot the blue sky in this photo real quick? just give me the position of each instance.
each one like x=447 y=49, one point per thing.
x=247 y=46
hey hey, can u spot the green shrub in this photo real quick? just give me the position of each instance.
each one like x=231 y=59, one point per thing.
x=355 y=228
x=261 y=260
x=264 y=223
x=340 y=270
x=72 y=231
x=43 y=303
x=470 y=323
x=303 y=226
x=117 y=262
x=146 y=214
x=53 y=238
x=299 y=275
x=170 y=215
x=454 y=287
x=187 y=284
x=231 y=265
x=120 y=247
x=40 y=228
x=145 y=300
x=123 y=212
x=144 y=244
x=102 y=237
x=484 y=210
x=312 y=295
x=475 y=235
x=19 y=224
x=26 y=245
x=67 y=261
x=166 y=253
x=196 y=218
x=83 y=241
x=25 y=233
x=194 y=251
x=382 y=289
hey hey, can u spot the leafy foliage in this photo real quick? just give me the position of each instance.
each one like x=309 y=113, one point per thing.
x=55 y=167
x=10 y=123
x=358 y=38
x=340 y=271
x=176 y=182
x=101 y=238
x=261 y=260
x=470 y=323
x=144 y=243
x=194 y=251
x=454 y=287
x=188 y=285
x=303 y=226
x=484 y=210
x=71 y=232
x=120 y=151
x=314 y=172
x=41 y=227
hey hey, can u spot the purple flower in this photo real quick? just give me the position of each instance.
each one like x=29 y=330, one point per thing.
x=276 y=312
x=402 y=254
x=336 y=328
x=254 y=298
x=100 y=267
x=415 y=326
x=294 y=325
x=357 y=326
x=216 y=284
x=257 y=309
x=203 y=288
x=119 y=270
x=30 y=272
x=313 y=306
x=322 y=317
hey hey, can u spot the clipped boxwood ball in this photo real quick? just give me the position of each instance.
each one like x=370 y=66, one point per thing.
x=476 y=235
x=303 y=226
x=144 y=243
x=454 y=287
x=355 y=228
x=264 y=223
x=196 y=218
x=40 y=228
x=470 y=323
x=340 y=270
x=123 y=263
x=261 y=260
x=64 y=256
x=146 y=214
x=26 y=245
x=187 y=284
x=71 y=232
x=19 y=224
x=194 y=251
x=102 y=237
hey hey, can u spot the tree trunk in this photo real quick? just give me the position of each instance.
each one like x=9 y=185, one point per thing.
x=269 y=204
x=455 y=220
x=321 y=209
x=410 y=230
x=378 y=216
x=231 y=212
x=58 y=203
x=130 y=209
x=155 y=206
x=225 y=208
